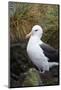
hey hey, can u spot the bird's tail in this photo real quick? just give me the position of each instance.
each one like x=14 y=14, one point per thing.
x=51 y=64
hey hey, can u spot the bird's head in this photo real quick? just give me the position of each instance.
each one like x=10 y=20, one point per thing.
x=36 y=31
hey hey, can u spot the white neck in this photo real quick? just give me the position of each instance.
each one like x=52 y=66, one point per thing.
x=35 y=40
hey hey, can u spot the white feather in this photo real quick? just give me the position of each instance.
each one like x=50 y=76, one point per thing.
x=36 y=53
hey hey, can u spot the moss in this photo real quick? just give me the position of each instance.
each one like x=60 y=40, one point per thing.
x=32 y=78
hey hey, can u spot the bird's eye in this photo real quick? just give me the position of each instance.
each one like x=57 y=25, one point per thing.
x=36 y=30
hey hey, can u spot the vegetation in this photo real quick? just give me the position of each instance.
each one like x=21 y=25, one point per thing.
x=22 y=17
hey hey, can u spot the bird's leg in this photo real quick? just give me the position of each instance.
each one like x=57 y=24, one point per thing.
x=41 y=71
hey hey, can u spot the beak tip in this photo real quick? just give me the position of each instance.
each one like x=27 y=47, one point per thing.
x=28 y=35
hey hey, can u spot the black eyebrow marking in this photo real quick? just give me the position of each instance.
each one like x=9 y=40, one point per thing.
x=36 y=30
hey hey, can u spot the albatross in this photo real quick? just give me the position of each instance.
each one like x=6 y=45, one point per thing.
x=41 y=54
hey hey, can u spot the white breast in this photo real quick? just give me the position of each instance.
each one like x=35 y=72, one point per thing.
x=36 y=53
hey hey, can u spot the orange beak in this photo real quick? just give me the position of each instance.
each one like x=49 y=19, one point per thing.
x=28 y=35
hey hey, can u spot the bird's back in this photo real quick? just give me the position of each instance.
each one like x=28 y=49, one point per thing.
x=50 y=52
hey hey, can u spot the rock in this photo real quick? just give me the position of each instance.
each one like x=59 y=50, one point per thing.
x=32 y=78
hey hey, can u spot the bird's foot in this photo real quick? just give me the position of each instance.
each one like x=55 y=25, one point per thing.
x=42 y=71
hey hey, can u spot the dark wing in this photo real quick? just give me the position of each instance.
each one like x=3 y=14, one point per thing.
x=50 y=52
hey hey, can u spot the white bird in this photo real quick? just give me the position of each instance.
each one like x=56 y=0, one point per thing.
x=39 y=52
